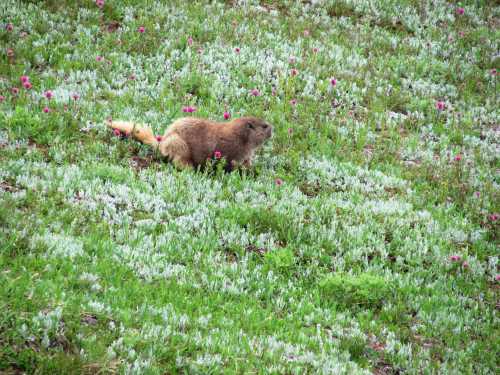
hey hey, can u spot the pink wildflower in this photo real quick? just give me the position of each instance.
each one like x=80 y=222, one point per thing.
x=46 y=109
x=315 y=50
x=99 y=3
x=278 y=181
x=292 y=60
x=2 y=98
x=190 y=41
x=227 y=115
x=75 y=96
x=141 y=29
x=117 y=132
x=237 y=50
x=461 y=34
x=98 y=58
x=290 y=131
x=458 y=157
x=293 y=102
x=440 y=105
x=255 y=92
x=9 y=27
x=189 y=109
x=14 y=91
x=158 y=138
x=493 y=72
x=493 y=217
x=333 y=82
x=294 y=72
x=455 y=258
x=25 y=79
x=48 y=94
x=217 y=154
x=27 y=85
x=477 y=194
x=465 y=264
x=306 y=33
x=10 y=52
x=460 y=11
x=497 y=278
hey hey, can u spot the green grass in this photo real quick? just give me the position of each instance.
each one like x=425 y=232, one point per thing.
x=363 y=240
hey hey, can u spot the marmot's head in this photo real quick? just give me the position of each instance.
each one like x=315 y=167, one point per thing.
x=257 y=130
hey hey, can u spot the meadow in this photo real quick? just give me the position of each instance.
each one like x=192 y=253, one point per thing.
x=364 y=240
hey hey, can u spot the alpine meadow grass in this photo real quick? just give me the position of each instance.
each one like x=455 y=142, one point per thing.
x=363 y=240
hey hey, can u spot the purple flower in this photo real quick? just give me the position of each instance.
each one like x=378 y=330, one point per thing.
x=227 y=115
x=255 y=92
x=440 y=105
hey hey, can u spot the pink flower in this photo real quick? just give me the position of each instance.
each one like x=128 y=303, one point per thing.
x=190 y=41
x=292 y=60
x=9 y=27
x=189 y=109
x=493 y=217
x=132 y=77
x=333 y=82
x=27 y=85
x=25 y=79
x=217 y=154
x=293 y=102
x=255 y=92
x=46 y=109
x=315 y=50
x=227 y=115
x=294 y=72
x=493 y=72
x=14 y=91
x=98 y=58
x=158 y=138
x=477 y=194
x=306 y=33
x=2 y=98
x=237 y=50
x=455 y=258
x=75 y=96
x=465 y=264
x=10 y=52
x=440 y=106
x=99 y=3
x=141 y=29
x=450 y=38
x=278 y=181
x=48 y=94
x=290 y=131
x=457 y=157
x=117 y=132
x=497 y=278
x=460 y=11
x=461 y=34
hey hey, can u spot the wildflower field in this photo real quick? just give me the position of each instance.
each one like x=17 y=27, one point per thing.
x=364 y=240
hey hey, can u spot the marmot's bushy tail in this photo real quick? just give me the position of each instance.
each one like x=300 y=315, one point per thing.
x=140 y=132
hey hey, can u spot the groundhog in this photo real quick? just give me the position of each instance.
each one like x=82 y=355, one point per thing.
x=189 y=142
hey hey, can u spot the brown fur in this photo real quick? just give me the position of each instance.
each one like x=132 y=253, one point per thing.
x=190 y=141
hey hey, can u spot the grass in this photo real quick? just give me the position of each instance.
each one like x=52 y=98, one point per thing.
x=364 y=239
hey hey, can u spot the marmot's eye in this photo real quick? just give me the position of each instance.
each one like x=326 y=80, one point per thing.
x=250 y=125
x=264 y=126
